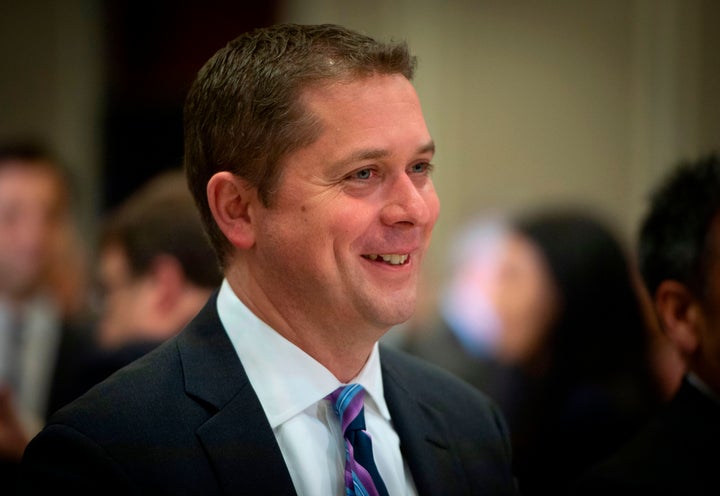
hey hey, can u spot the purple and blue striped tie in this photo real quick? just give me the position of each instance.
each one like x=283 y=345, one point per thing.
x=361 y=475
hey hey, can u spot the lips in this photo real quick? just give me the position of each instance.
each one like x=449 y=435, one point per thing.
x=388 y=258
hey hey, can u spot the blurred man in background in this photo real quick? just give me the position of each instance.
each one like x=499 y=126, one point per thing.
x=156 y=270
x=542 y=312
x=41 y=292
x=677 y=452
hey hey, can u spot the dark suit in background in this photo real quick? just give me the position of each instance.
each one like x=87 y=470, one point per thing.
x=678 y=452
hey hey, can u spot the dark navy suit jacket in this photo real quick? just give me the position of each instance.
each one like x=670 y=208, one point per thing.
x=184 y=420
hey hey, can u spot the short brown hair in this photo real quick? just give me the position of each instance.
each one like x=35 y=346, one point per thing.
x=243 y=112
x=675 y=240
x=160 y=218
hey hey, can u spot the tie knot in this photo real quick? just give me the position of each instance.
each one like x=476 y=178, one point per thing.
x=347 y=401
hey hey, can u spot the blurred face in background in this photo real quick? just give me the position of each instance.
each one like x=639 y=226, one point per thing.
x=32 y=214
x=525 y=300
x=709 y=315
x=126 y=299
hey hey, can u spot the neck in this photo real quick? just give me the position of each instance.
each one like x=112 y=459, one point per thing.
x=340 y=348
x=344 y=363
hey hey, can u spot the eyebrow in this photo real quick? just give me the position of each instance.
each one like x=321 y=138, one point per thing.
x=375 y=153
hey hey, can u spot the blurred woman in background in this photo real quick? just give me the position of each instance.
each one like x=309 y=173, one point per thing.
x=573 y=323
x=544 y=313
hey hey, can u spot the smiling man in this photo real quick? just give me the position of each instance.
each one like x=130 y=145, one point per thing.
x=309 y=158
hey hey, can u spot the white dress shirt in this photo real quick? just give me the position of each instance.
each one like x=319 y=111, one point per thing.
x=291 y=386
x=35 y=354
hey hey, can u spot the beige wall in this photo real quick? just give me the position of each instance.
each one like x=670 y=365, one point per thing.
x=530 y=102
x=50 y=55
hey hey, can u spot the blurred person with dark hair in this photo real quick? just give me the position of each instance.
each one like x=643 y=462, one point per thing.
x=545 y=315
x=42 y=283
x=156 y=271
x=678 y=451
x=157 y=267
x=309 y=158
x=574 y=323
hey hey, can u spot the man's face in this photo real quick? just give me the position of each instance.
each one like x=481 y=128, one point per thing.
x=709 y=327
x=127 y=300
x=352 y=215
x=31 y=213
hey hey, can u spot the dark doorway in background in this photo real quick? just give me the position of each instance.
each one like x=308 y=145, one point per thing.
x=154 y=50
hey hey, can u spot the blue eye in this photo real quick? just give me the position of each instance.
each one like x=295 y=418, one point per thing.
x=421 y=167
x=363 y=174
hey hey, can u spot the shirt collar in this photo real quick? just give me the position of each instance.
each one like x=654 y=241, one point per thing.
x=286 y=379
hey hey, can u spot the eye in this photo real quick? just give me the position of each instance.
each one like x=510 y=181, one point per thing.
x=421 y=168
x=362 y=174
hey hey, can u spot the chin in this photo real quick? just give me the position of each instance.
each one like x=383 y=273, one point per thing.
x=389 y=317
x=384 y=308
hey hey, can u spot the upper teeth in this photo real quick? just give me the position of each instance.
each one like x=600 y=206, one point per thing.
x=392 y=258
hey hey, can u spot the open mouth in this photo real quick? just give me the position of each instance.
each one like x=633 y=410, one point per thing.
x=390 y=258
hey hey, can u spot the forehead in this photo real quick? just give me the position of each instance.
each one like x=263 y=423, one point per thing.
x=31 y=173
x=378 y=111
x=19 y=179
x=356 y=93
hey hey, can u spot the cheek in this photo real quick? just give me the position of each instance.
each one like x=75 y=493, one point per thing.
x=348 y=227
x=5 y=245
x=139 y=308
x=433 y=204
x=318 y=233
x=126 y=312
x=521 y=315
x=711 y=317
x=113 y=316
x=292 y=249
x=525 y=311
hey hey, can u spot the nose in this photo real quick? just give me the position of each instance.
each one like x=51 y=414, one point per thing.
x=409 y=203
x=34 y=232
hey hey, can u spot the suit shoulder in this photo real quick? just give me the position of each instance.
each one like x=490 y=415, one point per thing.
x=430 y=382
x=127 y=391
x=672 y=454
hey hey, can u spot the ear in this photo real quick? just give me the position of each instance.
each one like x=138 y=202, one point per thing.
x=679 y=314
x=231 y=200
x=168 y=279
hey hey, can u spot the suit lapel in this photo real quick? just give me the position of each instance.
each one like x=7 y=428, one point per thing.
x=237 y=437
x=241 y=446
x=243 y=450
x=423 y=440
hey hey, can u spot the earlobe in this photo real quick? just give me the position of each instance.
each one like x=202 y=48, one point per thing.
x=679 y=314
x=230 y=199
